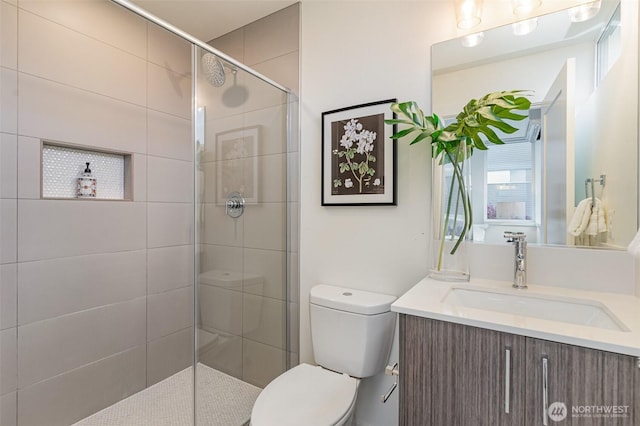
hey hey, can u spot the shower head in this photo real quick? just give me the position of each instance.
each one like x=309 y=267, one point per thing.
x=213 y=69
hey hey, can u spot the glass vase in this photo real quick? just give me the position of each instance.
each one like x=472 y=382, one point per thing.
x=452 y=215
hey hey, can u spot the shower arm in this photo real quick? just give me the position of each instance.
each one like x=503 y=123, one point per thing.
x=191 y=39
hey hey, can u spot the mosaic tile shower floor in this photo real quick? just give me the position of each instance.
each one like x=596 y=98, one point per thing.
x=222 y=401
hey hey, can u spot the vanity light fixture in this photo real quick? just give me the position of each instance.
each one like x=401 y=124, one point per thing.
x=584 y=11
x=524 y=27
x=472 y=40
x=468 y=13
x=524 y=7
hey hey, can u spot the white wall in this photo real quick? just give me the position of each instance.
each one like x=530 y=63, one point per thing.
x=357 y=52
x=614 y=147
x=452 y=90
x=353 y=53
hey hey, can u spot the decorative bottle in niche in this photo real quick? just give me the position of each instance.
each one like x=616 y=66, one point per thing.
x=86 y=184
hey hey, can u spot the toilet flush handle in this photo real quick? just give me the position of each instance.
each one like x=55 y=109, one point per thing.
x=391 y=370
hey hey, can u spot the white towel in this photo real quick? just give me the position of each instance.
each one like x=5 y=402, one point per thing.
x=580 y=218
x=634 y=246
x=588 y=219
x=597 y=220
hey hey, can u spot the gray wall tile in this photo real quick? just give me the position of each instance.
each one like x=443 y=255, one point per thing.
x=51 y=288
x=264 y=320
x=55 y=346
x=257 y=235
x=8 y=100
x=97 y=21
x=168 y=50
x=55 y=52
x=9 y=36
x=70 y=397
x=168 y=355
x=9 y=409
x=169 y=91
x=220 y=309
x=169 y=268
x=261 y=363
x=169 y=180
x=8 y=295
x=270 y=266
x=51 y=228
x=169 y=136
x=29 y=175
x=272 y=36
x=8 y=230
x=8 y=351
x=169 y=312
x=232 y=44
x=169 y=224
x=8 y=165
x=54 y=111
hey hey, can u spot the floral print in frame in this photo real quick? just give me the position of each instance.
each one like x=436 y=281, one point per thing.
x=358 y=156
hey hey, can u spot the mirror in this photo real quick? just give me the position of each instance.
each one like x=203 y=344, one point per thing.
x=569 y=176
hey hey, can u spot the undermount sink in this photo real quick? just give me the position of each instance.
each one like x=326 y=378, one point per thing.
x=573 y=311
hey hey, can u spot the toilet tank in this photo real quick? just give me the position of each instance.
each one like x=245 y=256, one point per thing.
x=351 y=330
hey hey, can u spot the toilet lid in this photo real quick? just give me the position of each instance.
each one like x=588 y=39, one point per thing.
x=305 y=395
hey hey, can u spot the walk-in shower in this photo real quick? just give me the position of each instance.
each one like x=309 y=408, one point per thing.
x=175 y=302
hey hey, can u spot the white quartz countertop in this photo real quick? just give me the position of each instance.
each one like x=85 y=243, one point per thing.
x=426 y=299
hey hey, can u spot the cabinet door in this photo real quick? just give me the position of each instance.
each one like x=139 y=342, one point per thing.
x=415 y=371
x=458 y=375
x=596 y=387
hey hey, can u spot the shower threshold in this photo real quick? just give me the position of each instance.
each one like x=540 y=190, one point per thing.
x=222 y=400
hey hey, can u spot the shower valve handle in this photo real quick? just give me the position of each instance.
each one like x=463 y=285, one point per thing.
x=234 y=205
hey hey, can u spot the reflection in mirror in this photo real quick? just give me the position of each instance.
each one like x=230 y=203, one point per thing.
x=546 y=179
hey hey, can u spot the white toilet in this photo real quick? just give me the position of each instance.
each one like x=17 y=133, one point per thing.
x=351 y=332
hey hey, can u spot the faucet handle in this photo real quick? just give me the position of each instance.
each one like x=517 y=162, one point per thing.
x=513 y=237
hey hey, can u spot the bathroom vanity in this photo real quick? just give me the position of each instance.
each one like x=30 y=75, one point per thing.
x=468 y=358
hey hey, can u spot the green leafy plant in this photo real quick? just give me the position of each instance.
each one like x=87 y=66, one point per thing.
x=452 y=144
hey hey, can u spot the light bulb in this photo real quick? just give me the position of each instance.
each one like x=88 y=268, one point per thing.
x=524 y=27
x=584 y=11
x=524 y=7
x=468 y=13
x=472 y=40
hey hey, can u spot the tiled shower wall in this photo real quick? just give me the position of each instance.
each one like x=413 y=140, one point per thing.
x=250 y=324
x=96 y=296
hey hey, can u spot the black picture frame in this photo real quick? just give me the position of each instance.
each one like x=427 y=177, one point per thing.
x=359 y=158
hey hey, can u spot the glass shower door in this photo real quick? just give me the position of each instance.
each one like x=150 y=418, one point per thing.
x=241 y=238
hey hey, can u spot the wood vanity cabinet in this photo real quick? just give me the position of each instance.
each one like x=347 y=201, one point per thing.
x=456 y=375
x=583 y=378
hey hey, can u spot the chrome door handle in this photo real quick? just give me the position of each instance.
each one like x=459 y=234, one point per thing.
x=545 y=396
x=507 y=379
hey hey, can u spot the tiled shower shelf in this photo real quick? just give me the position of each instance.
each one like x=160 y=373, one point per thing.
x=63 y=164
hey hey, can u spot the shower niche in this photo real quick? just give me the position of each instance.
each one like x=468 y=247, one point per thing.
x=84 y=173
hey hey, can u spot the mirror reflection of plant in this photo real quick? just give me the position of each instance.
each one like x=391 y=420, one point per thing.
x=472 y=127
x=358 y=144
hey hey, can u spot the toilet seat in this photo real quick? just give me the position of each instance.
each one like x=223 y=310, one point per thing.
x=306 y=395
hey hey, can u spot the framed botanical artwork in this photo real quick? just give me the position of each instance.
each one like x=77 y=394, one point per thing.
x=359 y=156
x=237 y=155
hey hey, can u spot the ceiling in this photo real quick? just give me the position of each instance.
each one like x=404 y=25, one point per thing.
x=208 y=19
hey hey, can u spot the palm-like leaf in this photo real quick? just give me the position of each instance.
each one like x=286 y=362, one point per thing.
x=474 y=126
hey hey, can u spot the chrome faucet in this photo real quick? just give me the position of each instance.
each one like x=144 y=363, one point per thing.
x=520 y=269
